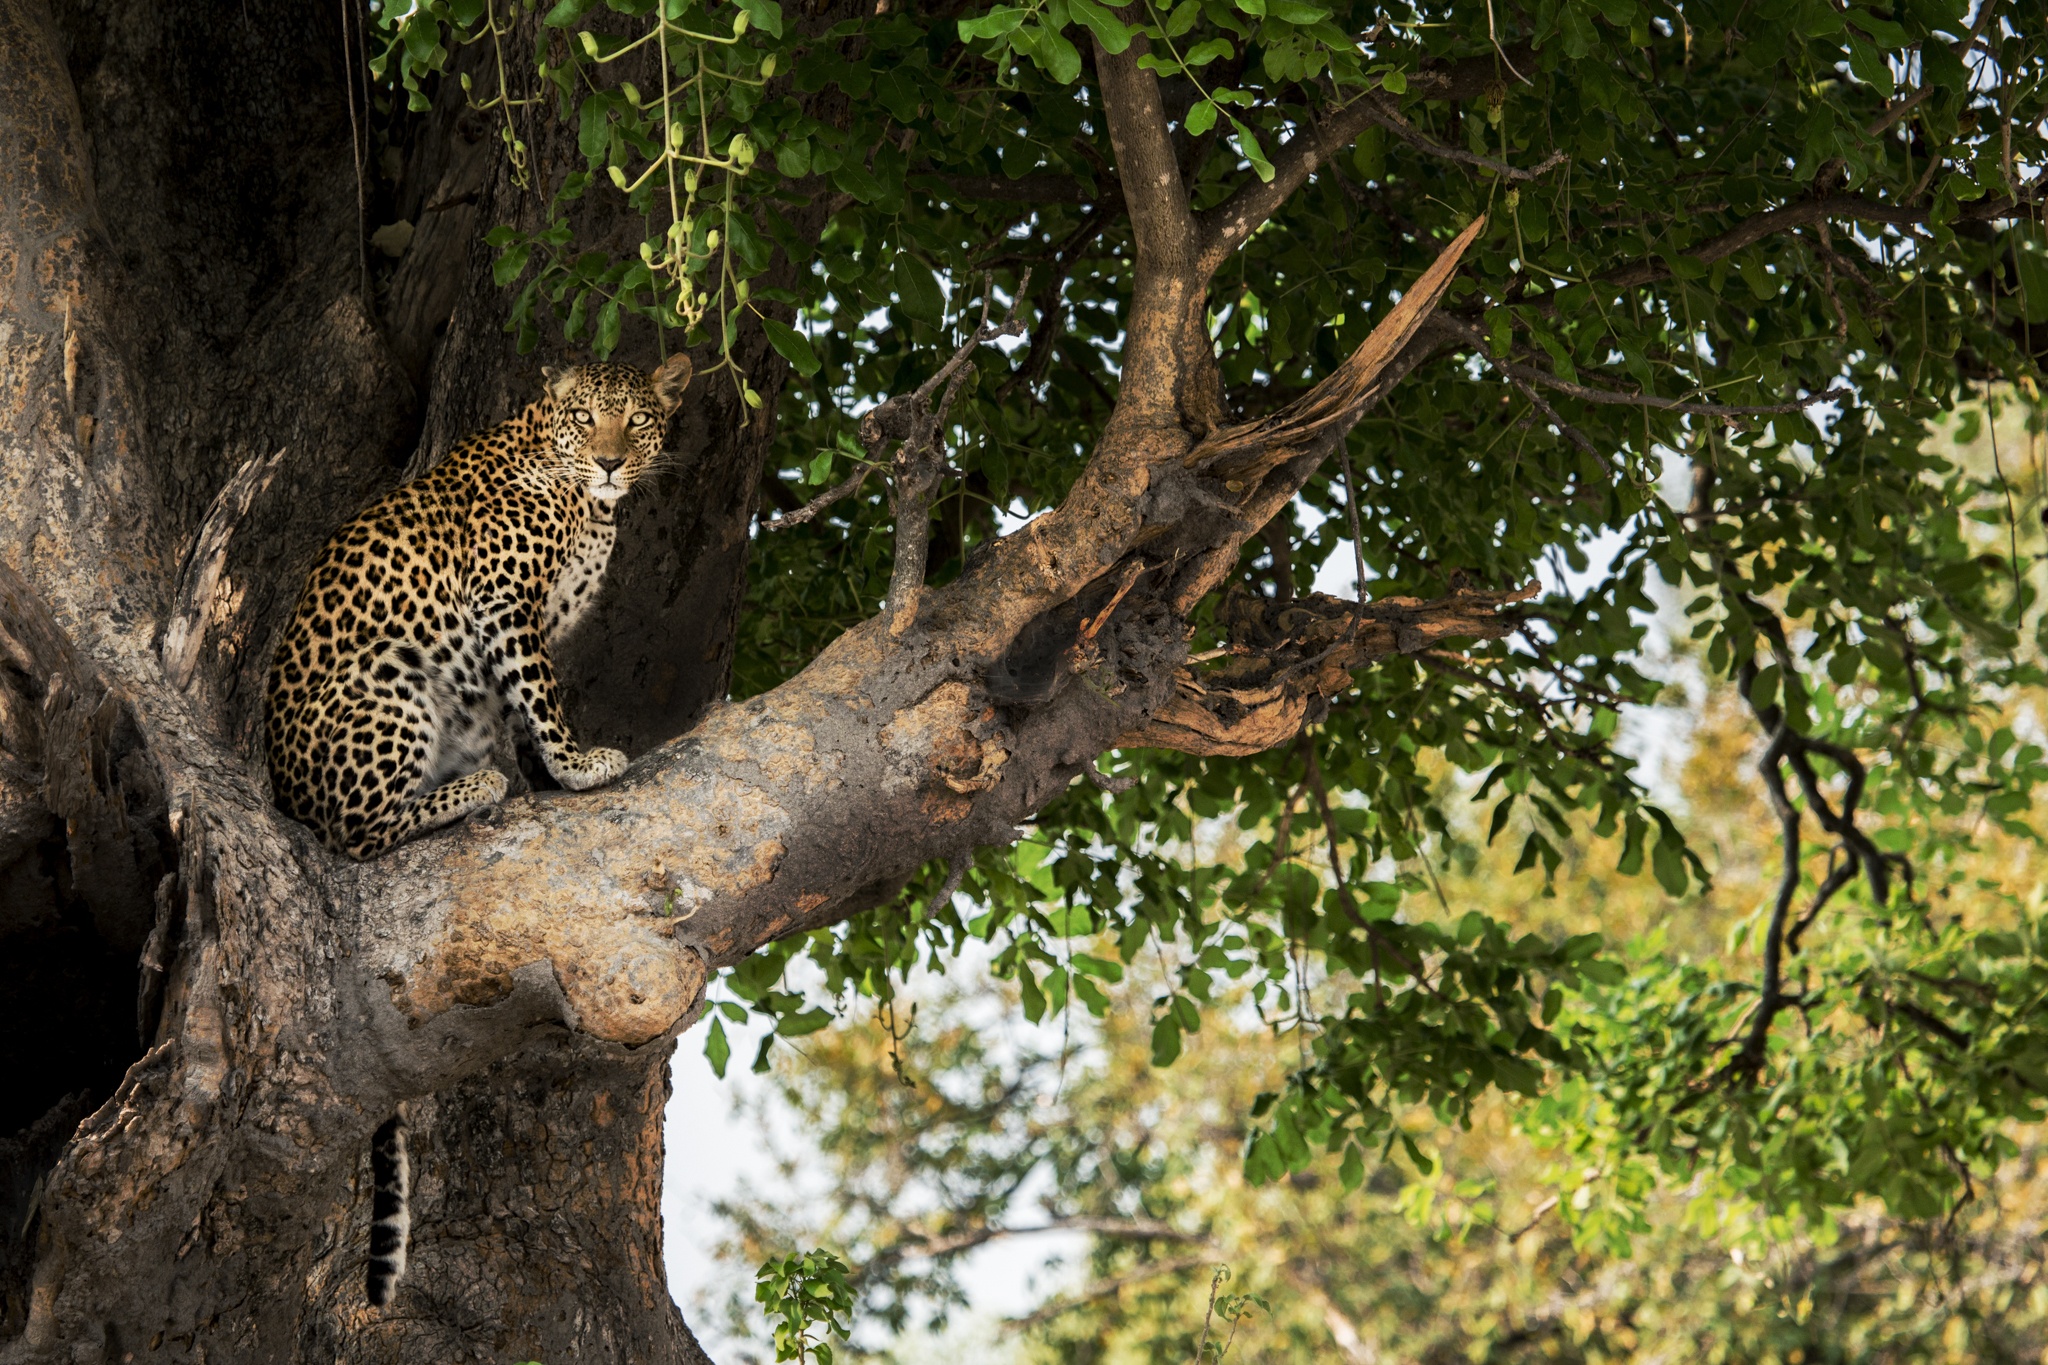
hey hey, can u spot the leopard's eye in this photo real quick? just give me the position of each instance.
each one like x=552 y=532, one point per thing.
x=642 y=418
x=583 y=417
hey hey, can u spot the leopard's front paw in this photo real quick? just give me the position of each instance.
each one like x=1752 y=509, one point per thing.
x=590 y=768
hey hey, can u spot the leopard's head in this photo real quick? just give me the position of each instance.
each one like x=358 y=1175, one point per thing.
x=608 y=421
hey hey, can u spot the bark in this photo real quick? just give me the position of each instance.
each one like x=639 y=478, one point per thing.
x=202 y=372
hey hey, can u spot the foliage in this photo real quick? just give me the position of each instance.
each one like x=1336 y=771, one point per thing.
x=806 y=1292
x=1703 y=218
x=1514 y=1244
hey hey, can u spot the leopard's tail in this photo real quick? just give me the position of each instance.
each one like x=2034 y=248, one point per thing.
x=390 y=1211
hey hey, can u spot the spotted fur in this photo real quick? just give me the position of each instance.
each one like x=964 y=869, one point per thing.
x=427 y=618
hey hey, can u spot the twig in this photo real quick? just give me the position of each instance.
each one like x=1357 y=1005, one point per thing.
x=1102 y=1289
x=844 y=489
x=1372 y=931
x=1423 y=142
x=914 y=425
x=1470 y=335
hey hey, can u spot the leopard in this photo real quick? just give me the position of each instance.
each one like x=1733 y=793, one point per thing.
x=424 y=626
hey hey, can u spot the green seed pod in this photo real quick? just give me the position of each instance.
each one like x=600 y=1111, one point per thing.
x=618 y=176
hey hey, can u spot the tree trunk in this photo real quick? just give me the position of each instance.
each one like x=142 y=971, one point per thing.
x=203 y=371
x=182 y=245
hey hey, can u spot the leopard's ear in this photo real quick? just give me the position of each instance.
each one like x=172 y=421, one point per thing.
x=558 y=380
x=670 y=378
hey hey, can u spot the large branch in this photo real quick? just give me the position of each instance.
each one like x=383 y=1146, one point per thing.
x=1169 y=372
x=821 y=798
x=1243 y=454
x=1289 y=659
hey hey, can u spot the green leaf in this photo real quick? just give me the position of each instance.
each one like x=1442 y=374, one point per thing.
x=1107 y=28
x=1668 y=864
x=793 y=158
x=607 y=339
x=1203 y=53
x=1868 y=66
x=509 y=265
x=716 y=1049
x=997 y=23
x=2031 y=265
x=792 y=346
x=567 y=12
x=765 y=15
x=1166 y=1043
x=1050 y=49
x=1248 y=144
x=918 y=289
x=802 y=1023
x=1201 y=118
x=854 y=179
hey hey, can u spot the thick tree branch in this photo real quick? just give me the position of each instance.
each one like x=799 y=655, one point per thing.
x=1287 y=660
x=1169 y=373
x=1316 y=420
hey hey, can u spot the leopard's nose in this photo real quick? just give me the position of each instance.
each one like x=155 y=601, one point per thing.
x=608 y=466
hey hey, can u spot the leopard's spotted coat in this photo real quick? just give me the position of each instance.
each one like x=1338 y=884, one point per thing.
x=428 y=617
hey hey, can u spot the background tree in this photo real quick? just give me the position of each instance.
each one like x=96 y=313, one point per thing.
x=257 y=266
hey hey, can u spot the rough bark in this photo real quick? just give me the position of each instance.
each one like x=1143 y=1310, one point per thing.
x=201 y=374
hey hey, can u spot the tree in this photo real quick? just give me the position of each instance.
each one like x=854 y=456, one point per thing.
x=1204 y=217
x=905 y=1149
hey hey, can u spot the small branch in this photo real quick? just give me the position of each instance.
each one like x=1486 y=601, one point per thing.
x=1461 y=330
x=846 y=488
x=1103 y=1289
x=1374 y=934
x=1384 y=116
x=1807 y=212
x=915 y=427
x=1226 y=227
x=1791 y=748
x=186 y=629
